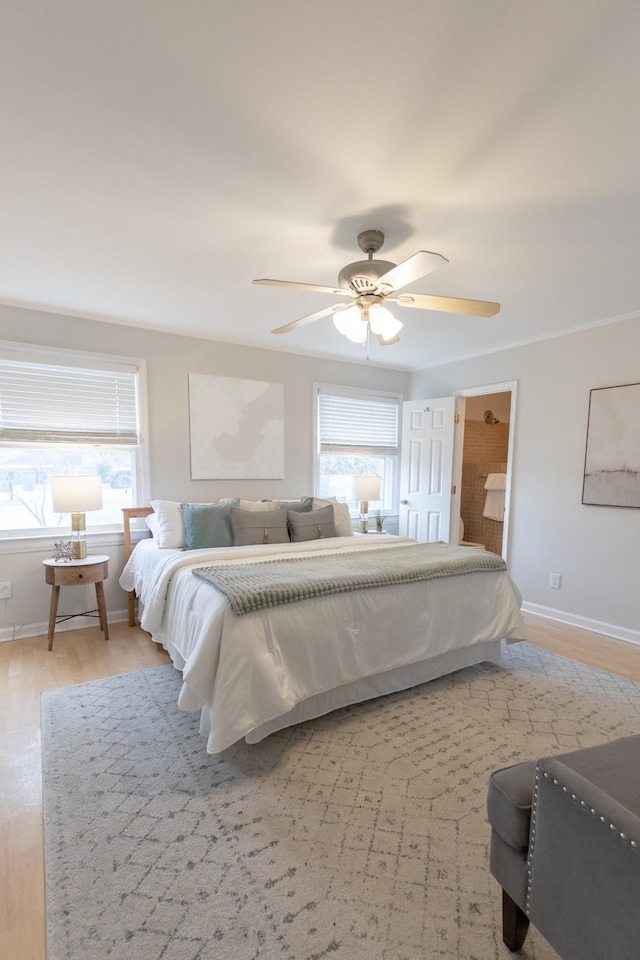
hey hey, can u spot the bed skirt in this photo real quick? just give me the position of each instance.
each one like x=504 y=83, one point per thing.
x=391 y=681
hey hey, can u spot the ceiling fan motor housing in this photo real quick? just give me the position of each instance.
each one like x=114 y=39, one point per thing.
x=363 y=275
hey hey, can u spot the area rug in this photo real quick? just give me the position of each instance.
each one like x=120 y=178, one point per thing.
x=362 y=834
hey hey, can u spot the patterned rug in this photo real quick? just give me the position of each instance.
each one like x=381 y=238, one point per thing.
x=358 y=835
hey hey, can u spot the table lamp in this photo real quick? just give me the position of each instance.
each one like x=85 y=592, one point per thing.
x=365 y=489
x=77 y=495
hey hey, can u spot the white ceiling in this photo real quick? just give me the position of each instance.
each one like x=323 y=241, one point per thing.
x=157 y=155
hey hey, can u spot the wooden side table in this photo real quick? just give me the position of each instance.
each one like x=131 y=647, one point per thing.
x=69 y=573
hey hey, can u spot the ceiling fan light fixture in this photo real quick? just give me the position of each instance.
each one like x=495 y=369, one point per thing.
x=350 y=324
x=383 y=323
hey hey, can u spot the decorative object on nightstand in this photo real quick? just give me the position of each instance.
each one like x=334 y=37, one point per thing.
x=73 y=573
x=63 y=550
x=365 y=489
x=77 y=495
x=380 y=519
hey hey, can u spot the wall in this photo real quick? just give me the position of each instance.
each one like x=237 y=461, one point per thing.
x=595 y=549
x=170 y=358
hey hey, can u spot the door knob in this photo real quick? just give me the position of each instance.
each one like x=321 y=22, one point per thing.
x=404 y=502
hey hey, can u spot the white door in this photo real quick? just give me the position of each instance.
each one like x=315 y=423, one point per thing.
x=426 y=469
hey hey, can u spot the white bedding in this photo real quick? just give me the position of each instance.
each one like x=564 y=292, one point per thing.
x=256 y=673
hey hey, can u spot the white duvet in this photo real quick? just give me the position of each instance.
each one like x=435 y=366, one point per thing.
x=243 y=672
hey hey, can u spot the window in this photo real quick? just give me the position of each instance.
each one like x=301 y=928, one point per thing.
x=63 y=412
x=358 y=434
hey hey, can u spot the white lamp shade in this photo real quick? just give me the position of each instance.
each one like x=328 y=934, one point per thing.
x=383 y=322
x=350 y=324
x=365 y=488
x=76 y=494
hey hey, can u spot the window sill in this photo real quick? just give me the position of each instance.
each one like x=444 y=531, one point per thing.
x=44 y=542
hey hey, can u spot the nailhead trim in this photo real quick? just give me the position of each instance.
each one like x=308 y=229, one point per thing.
x=534 y=817
x=534 y=814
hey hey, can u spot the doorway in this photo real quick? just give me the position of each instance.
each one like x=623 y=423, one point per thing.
x=484 y=463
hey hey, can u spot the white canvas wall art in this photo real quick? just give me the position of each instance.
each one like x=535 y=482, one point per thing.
x=236 y=428
x=612 y=460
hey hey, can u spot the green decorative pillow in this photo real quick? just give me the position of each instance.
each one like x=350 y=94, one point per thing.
x=252 y=526
x=314 y=525
x=208 y=524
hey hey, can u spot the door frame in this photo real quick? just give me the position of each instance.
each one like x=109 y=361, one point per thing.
x=507 y=386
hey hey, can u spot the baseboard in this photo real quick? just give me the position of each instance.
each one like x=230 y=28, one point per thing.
x=585 y=623
x=24 y=630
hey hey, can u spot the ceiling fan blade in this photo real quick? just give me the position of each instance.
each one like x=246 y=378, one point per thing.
x=303 y=321
x=426 y=301
x=336 y=291
x=419 y=265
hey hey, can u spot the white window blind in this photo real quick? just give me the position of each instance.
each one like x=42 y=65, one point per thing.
x=349 y=422
x=47 y=403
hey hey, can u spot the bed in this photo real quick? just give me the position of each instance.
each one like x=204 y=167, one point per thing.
x=253 y=674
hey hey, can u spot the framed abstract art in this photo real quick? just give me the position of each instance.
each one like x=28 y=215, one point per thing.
x=236 y=428
x=612 y=458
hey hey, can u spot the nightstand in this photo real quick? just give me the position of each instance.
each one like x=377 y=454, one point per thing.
x=73 y=573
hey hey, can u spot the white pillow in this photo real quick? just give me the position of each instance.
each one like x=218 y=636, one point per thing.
x=170 y=526
x=153 y=524
x=341 y=516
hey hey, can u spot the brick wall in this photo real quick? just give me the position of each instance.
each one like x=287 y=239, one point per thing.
x=485 y=451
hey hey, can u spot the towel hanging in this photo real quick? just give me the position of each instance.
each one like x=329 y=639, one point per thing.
x=496 y=481
x=495 y=485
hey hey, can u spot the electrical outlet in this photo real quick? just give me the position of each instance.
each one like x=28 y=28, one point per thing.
x=555 y=580
x=5 y=590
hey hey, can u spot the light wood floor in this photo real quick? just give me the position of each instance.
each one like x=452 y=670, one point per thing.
x=26 y=669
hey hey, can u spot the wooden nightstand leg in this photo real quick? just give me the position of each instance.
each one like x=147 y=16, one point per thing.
x=102 y=610
x=53 y=612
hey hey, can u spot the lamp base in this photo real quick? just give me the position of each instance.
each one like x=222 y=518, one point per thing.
x=79 y=549
x=363 y=526
x=78 y=536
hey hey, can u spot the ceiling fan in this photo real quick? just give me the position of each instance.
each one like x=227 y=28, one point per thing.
x=370 y=284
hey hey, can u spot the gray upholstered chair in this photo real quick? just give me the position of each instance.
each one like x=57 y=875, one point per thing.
x=565 y=848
